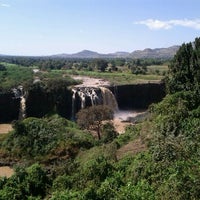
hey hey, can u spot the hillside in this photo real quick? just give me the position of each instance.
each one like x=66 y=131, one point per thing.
x=155 y=53
x=146 y=53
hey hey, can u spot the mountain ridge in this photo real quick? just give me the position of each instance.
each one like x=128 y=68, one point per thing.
x=168 y=52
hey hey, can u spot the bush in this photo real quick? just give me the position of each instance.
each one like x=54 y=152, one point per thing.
x=29 y=183
x=108 y=133
x=34 y=137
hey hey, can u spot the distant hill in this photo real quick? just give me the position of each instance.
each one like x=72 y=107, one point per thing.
x=81 y=54
x=146 y=53
x=155 y=53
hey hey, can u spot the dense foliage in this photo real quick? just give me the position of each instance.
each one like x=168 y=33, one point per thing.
x=35 y=137
x=13 y=76
x=85 y=64
x=184 y=69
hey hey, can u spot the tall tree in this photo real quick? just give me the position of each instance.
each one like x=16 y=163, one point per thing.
x=184 y=70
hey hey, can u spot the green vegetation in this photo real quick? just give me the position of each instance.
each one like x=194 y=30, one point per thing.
x=39 y=138
x=117 y=71
x=12 y=75
x=56 y=160
x=119 y=78
x=56 y=75
x=92 y=118
x=15 y=75
x=157 y=69
x=124 y=74
x=185 y=68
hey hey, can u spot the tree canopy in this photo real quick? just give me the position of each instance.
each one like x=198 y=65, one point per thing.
x=92 y=117
x=184 y=70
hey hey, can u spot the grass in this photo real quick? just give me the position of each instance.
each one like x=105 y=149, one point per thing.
x=14 y=75
x=122 y=78
x=17 y=75
x=157 y=69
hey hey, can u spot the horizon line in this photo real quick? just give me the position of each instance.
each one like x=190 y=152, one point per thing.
x=55 y=54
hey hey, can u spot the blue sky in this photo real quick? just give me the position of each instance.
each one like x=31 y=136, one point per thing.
x=45 y=27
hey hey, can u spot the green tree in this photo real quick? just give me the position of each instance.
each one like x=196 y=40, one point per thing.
x=92 y=117
x=184 y=70
x=2 y=68
x=37 y=180
x=137 y=67
x=120 y=62
x=29 y=183
x=108 y=133
x=141 y=191
x=101 y=64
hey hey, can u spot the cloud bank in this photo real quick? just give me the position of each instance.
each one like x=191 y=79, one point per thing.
x=5 y=5
x=155 y=24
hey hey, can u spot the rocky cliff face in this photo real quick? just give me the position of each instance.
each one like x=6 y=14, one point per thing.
x=41 y=101
x=138 y=96
x=67 y=102
x=9 y=107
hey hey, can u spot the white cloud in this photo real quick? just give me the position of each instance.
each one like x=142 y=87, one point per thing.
x=158 y=24
x=5 y=5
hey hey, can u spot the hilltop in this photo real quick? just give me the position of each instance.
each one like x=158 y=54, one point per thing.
x=146 y=53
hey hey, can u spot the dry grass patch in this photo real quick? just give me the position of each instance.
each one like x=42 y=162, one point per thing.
x=6 y=171
x=5 y=128
x=131 y=148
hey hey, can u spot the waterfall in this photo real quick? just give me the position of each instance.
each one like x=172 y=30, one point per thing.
x=88 y=96
x=19 y=94
x=109 y=99
x=83 y=97
x=73 y=103
x=22 y=110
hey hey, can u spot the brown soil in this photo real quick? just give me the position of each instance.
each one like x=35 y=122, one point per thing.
x=5 y=128
x=91 y=82
x=131 y=148
x=120 y=126
x=6 y=171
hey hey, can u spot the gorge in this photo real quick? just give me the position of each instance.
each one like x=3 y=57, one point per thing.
x=38 y=100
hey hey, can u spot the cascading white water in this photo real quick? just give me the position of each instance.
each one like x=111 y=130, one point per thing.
x=85 y=93
x=90 y=96
x=22 y=111
x=108 y=98
x=82 y=96
x=73 y=103
x=85 y=96
x=19 y=93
